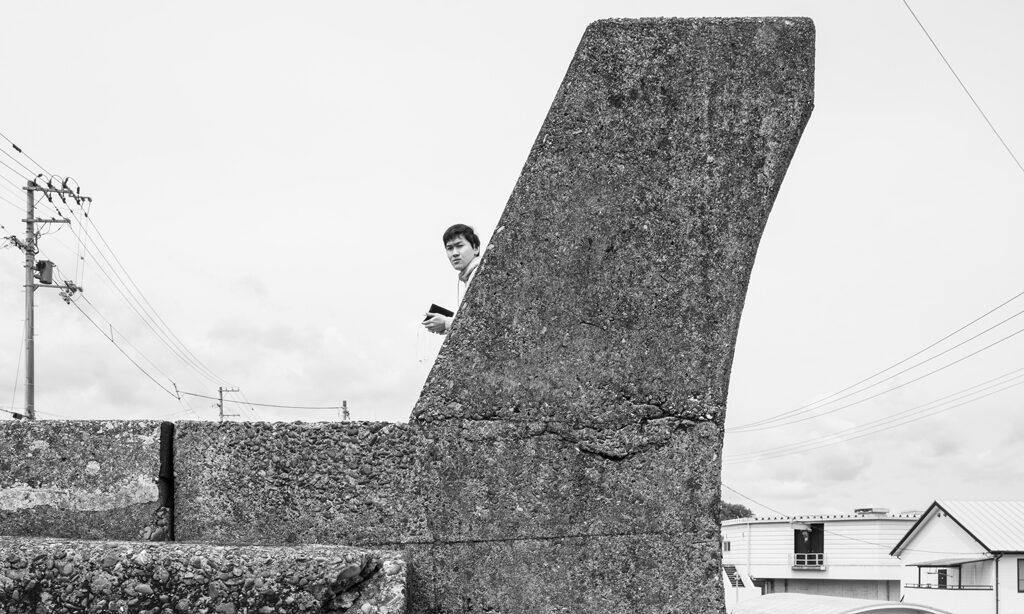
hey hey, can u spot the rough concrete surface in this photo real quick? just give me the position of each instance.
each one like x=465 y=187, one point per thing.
x=282 y=483
x=575 y=411
x=62 y=577
x=81 y=479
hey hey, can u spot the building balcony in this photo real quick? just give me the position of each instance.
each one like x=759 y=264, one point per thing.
x=808 y=561
x=969 y=599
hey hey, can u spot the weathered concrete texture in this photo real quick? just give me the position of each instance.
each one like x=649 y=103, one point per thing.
x=606 y=575
x=581 y=391
x=499 y=480
x=63 y=577
x=612 y=289
x=81 y=479
x=281 y=483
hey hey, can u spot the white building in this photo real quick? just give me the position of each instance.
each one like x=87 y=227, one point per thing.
x=837 y=555
x=794 y=603
x=966 y=557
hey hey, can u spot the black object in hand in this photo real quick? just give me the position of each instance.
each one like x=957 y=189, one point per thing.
x=439 y=310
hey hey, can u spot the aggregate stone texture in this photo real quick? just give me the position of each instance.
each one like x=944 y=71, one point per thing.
x=624 y=574
x=82 y=480
x=61 y=577
x=282 y=483
x=575 y=410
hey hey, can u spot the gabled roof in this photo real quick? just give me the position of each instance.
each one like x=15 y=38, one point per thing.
x=997 y=525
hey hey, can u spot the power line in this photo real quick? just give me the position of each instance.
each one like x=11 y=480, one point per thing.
x=815 y=446
x=898 y=386
x=19 y=150
x=964 y=87
x=195 y=360
x=16 y=171
x=828 y=400
x=769 y=508
x=120 y=349
x=203 y=396
x=17 y=161
x=902 y=418
x=780 y=421
x=140 y=310
x=113 y=330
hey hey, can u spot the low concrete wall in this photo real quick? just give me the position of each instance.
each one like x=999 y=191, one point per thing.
x=84 y=479
x=62 y=577
x=287 y=483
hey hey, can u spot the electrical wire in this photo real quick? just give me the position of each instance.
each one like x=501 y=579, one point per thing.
x=140 y=311
x=922 y=411
x=19 y=150
x=120 y=349
x=832 y=397
x=16 y=171
x=888 y=390
x=203 y=396
x=5 y=178
x=18 y=162
x=815 y=445
x=964 y=87
x=184 y=347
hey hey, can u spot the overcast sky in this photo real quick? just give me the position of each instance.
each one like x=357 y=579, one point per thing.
x=274 y=179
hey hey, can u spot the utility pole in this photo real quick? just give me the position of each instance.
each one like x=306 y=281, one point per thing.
x=30 y=291
x=220 y=403
x=44 y=275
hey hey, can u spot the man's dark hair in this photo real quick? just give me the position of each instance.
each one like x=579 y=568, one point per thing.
x=461 y=230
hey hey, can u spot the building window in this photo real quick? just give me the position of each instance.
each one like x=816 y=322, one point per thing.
x=809 y=545
x=726 y=546
x=1020 y=575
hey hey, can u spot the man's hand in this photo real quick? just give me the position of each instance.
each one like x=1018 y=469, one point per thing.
x=436 y=323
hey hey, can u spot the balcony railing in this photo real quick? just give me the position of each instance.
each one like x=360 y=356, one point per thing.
x=808 y=561
x=952 y=587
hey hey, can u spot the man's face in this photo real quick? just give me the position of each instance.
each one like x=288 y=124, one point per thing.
x=460 y=253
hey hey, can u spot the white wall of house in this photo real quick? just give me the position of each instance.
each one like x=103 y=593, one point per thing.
x=939 y=536
x=856 y=548
x=879 y=590
x=1010 y=600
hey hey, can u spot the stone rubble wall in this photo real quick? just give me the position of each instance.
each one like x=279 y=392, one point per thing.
x=64 y=577
x=286 y=483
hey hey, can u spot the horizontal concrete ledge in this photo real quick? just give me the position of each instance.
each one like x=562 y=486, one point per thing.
x=81 y=576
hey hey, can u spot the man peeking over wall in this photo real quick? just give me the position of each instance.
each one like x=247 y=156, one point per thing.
x=463 y=247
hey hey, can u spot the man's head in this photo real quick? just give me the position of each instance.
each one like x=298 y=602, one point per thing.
x=462 y=245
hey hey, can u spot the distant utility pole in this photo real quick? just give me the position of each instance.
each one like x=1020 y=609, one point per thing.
x=344 y=411
x=43 y=271
x=220 y=403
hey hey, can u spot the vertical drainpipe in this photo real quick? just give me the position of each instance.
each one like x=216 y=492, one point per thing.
x=998 y=556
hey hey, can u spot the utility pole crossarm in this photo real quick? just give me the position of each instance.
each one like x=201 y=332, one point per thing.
x=220 y=402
